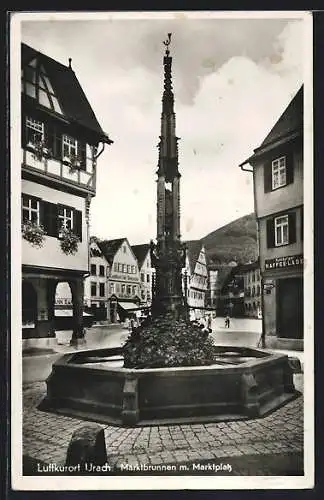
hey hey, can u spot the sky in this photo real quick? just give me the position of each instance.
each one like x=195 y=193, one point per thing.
x=232 y=79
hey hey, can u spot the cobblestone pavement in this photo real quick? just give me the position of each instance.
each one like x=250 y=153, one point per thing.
x=46 y=437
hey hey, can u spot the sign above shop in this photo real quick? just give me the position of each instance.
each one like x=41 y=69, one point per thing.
x=280 y=262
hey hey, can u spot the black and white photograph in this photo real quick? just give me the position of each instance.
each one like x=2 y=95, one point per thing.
x=161 y=271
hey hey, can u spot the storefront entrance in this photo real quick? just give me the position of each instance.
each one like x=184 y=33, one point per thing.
x=290 y=308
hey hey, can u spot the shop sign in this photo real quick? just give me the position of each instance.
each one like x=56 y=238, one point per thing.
x=124 y=277
x=60 y=301
x=281 y=262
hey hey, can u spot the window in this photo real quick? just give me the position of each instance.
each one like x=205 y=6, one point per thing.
x=101 y=289
x=107 y=271
x=93 y=289
x=133 y=270
x=128 y=268
x=34 y=131
x=116 y=267
x=65 y=217
x=123 y=289
x=142 y=277
x=117 y=288
x=129 y=290
x=112 y=288
x=279 y=172
x=69 y=146
x=281 y=231
x=30 y=209
x=124 y=268
x=124 y=249
x=147 y=278
x=36 y=84
x=93 y=269
x=134 y=289
x=120 y=268
x=101 y=270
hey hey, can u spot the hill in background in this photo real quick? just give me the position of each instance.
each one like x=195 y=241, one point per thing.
x=235 y=241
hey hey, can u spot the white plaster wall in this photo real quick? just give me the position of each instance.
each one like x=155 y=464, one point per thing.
x=50 y=255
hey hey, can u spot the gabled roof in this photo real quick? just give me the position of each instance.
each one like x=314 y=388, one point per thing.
x=290 y=121
x=140 y=252
x=193 y=250
x=72 y=99
x=289 y=126
x=109 y=248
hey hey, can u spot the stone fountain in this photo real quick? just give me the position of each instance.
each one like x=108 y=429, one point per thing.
x=168 y=371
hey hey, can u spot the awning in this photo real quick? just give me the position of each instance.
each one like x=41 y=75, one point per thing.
x=59 y=313
x=128 y=306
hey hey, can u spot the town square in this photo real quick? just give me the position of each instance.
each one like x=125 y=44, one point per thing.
x=162 y=246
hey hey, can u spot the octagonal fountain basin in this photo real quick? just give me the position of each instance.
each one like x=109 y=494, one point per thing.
x=243 y=383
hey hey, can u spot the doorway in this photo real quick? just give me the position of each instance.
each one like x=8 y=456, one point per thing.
x=290 y=308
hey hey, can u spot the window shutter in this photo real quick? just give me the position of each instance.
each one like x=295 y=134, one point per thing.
x=58 y=144
x=289 y=168
x=49 y=218
x=23 y=132
x=82 y=154
x=267 y=174
x=292 y=227
x=49 y=137
x=77 y=227
x=270 y=233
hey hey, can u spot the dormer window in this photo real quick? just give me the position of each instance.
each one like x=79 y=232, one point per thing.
x=279 y=177
x=36 y=84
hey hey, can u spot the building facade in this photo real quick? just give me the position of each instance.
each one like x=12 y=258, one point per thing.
x=195 y=279
x=96 y=285
x=252 y=289
x=277 y=167
x=60 y=137
x=143 y=256
x=123 y=292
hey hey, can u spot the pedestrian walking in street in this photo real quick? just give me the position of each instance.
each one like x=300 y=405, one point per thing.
x=227 y=321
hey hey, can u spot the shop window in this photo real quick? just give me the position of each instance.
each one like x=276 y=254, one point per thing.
x=93 y=270
x=101 y=270
x=101 y=289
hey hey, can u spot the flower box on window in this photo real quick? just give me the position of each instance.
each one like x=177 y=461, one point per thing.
x=69 y=241
x=34 y=233
x=73 y=162
x=40 y=150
